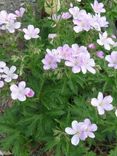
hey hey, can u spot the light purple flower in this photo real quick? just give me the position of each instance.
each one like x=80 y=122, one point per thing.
x=102 y=103
x=66 y=15
x=9 y=74
x=31 y=32
x=51 y=60
x=20 y=91
x=89 y=128
x=76 y=50
x=112 y=59
x=105 y=41
x=74 y=11
x=20 y=12
x=77 y=130
x=81 y=63
x=100 y=54
x=99 y=22
x=11 y=26
x=83 y=23
x=98 y=7
x=64 y=52
x=81 y=131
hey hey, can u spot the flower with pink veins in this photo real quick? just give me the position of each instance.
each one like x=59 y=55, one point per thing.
x=102 y=103
x=77 y=130
x=89 y=128
x=112 y=59
x=81 y=63
x=20 y=12
x=20 y=91
x=98 y=7
x=105 y=41
x=51 y=60
x=31 y=32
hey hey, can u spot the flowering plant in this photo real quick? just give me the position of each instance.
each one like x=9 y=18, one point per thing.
x=58 y=67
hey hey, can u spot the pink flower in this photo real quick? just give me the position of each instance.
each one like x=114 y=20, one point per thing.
x=81 y=63
x=92 y=46
x=100 y=54
x=98 y=7
x=30 y=93
x=76 y=50
x=31 y=32
x=112 y=59
x=20 y=12
x=102 y=103
x=20 y=91
x=66 y=15
x=51 y=59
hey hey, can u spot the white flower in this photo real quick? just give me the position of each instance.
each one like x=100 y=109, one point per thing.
x=2 y=66
x=9 y=74
x=52 y=36
x=1 y=84
x=31 y=32
x=102 y=103
x=20 y=91
x=105 y=41
x=1 y=154
x=116 y=112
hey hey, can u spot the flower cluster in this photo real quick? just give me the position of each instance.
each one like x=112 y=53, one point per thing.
x=8 y=21
x=84 y=21
x=19 y=92
x=81 y=131
x=102 y=103
x=7 y=74
x=77 y=57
